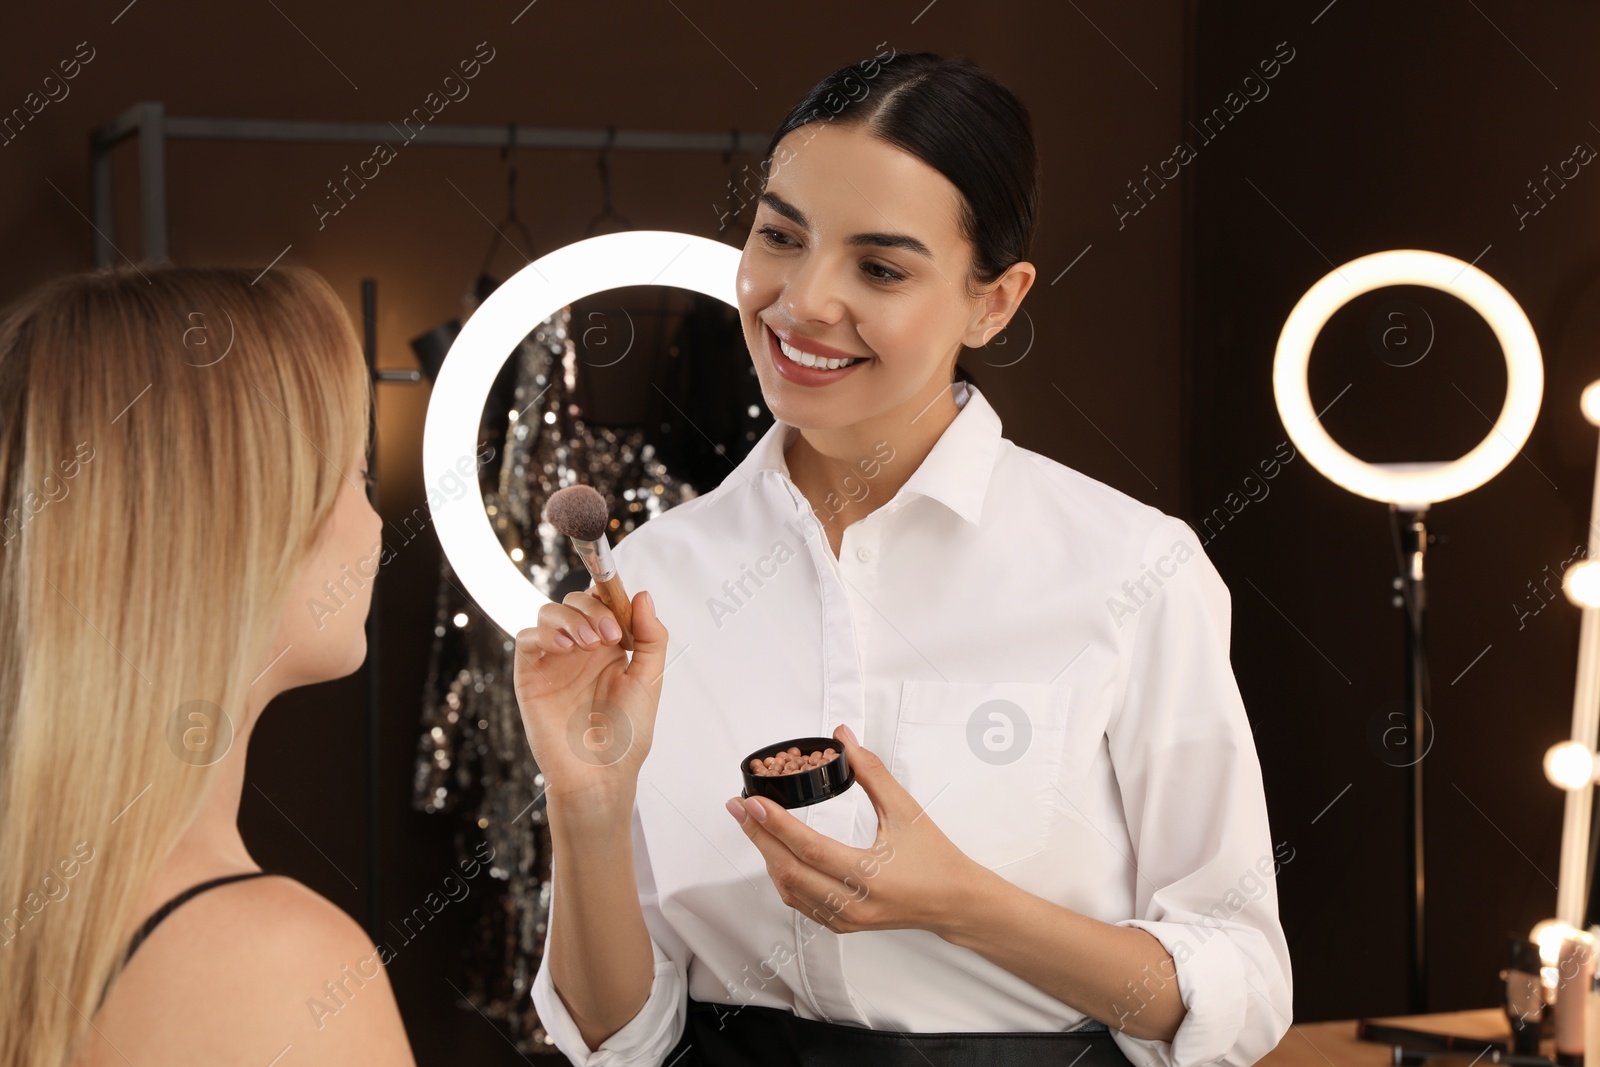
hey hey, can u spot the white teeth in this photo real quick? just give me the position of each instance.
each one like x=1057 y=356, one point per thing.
x=808 y=360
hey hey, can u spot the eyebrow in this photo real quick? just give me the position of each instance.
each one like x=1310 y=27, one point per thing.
x=873 y=240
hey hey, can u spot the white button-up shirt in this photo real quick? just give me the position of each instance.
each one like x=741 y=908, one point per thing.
x=1040 y=659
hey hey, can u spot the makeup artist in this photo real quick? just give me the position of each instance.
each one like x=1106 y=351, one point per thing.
x=1059 y=846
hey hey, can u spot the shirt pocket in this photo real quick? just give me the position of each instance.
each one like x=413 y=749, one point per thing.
x=983 y=758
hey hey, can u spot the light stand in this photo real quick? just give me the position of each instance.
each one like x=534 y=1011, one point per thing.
x=1412 y=585
x=1409 y=488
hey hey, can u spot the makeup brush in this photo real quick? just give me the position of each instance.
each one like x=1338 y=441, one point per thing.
x=580 y=512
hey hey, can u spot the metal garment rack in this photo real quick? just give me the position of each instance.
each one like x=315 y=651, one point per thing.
x=154 y=128
x=149 y=122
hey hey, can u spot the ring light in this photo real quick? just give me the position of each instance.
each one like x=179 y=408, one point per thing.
x=1410 y=487
x=1413 y=485
x=455 y=409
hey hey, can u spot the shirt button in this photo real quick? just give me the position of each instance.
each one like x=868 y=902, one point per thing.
x=863 y=554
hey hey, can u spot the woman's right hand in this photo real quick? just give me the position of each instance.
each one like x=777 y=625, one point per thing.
x=589 y=712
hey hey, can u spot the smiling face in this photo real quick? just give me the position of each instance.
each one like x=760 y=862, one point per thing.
x=856 y=251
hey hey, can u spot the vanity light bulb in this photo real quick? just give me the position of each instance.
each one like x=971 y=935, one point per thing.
x=1590 y=402
x=1581 y=583
x=1549 y=934
x=1569 y=765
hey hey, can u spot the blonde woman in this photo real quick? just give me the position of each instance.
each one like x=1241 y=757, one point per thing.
x=182 y=453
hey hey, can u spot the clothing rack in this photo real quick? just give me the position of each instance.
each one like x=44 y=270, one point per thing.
x=149 y=122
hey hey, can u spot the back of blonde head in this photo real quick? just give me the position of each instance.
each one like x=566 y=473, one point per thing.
x=171 y=443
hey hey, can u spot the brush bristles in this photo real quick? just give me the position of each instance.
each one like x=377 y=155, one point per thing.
x=577 y=511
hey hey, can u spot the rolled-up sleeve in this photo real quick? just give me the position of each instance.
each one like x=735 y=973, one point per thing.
x=1190 y=779
x=644 y=1040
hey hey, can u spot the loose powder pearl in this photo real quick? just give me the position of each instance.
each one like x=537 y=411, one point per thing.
x=792 y=761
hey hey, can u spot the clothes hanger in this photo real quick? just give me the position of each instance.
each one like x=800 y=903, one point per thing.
x=727 y=161
x=606 y=212
x=605 y=189
x=432 y=346
x=486 y=283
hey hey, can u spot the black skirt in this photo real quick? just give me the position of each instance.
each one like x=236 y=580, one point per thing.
x=732 y=1035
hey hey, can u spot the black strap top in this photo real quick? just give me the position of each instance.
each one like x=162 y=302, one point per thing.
x=168 y=908
x=172 y=905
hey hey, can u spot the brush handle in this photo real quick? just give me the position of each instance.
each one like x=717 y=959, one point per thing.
x=616 y=598
x=596 y=556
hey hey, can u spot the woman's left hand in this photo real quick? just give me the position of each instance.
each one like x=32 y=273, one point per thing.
x=913 y=876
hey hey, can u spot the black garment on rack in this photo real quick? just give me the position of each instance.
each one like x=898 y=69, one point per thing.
x=701 y=415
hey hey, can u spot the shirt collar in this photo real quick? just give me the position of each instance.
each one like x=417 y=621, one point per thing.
x=956 y=471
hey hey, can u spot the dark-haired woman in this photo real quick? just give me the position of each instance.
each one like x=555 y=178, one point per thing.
x=1059 y=851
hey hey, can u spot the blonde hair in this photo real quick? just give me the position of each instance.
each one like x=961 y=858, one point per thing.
x=171 y=446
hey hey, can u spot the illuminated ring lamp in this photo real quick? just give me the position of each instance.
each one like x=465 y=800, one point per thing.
x=1409 y=488
x=486 y=341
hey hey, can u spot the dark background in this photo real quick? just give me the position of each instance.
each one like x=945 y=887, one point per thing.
x=1147 y=363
